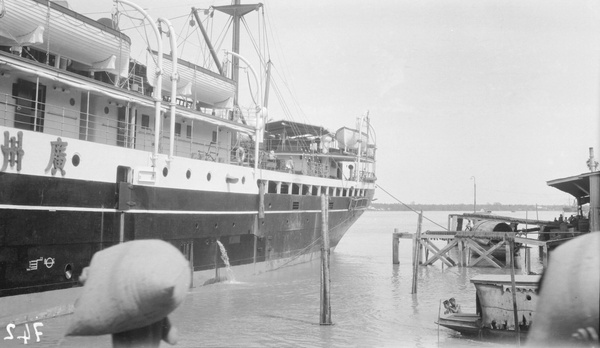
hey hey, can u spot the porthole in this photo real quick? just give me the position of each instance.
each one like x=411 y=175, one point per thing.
x=233 y=224
x=72 y=101
x=75 y=160
x=188 y=174
x=243 y=180
x=106 y=109
x=528 y=297
x=216 y=225
x=208 y=177
x=165 y=171
x=69 y=271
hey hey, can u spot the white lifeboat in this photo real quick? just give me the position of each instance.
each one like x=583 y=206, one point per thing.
x=195 y=82
x=44 y=24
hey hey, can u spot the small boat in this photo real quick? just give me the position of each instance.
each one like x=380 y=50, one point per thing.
x=494 y=316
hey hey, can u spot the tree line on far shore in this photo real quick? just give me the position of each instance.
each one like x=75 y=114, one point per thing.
x=465 y=207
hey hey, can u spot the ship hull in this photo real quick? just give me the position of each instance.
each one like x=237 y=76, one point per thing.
x=51 y=228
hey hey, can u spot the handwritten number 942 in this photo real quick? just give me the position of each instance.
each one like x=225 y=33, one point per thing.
x=26 y=333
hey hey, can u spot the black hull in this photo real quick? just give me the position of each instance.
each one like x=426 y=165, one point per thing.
x=51 y=228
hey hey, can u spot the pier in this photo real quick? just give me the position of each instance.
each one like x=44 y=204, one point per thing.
x=469 y=243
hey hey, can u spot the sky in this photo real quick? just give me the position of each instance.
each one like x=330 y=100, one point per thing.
x=501 y=94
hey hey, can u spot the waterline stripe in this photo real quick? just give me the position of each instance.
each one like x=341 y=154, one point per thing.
x=180 y=212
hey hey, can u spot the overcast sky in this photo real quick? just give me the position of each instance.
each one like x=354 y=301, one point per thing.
x=503 y=91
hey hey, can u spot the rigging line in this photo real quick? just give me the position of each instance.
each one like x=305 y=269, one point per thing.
x=406 y=205
x=298 y=254
x=264 y=33
x=181 y=45
x=253 y=40
x=302 y=251
x=294 y=100
x=250 y=87
x=286 y=73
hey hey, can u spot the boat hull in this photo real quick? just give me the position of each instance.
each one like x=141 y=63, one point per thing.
x=53 y=226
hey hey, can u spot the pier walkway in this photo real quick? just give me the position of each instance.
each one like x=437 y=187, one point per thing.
x=492 y=247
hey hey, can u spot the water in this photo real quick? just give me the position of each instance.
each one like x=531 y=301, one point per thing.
x=371 y=300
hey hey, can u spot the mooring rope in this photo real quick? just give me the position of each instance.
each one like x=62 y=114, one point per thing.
x=406 y=205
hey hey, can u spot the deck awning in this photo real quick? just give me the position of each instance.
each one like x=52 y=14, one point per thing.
x=291 y=129
x=577 y=186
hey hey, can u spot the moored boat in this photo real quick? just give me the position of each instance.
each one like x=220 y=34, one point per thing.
x=494 y=316
x=96 y=153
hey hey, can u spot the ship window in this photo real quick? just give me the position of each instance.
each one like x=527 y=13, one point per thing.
x=272 y=187
x=75 y=160
x=305 y=190
x=295 y=189
x=188 y=132
x=145 y=122
x=315 y=190
x=284 y=188
x=165 y=171
x=188 y=174
x=178 y=129
x=214 y=136
x=68 y=271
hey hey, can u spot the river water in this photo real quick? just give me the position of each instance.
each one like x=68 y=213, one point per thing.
x=371 y=300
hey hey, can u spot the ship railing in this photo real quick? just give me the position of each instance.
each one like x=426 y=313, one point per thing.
x=62 y=121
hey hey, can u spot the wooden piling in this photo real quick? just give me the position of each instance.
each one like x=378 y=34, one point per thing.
x=325 y=318
x=395 y=246
x=416 y=254
x=415 y=264
x=511 y=248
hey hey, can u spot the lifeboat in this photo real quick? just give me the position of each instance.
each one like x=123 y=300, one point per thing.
x=47 y=25
x=195 y=82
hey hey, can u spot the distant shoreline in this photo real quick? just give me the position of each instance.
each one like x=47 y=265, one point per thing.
x=465 y=207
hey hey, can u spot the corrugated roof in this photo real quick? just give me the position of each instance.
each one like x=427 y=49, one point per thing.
x=577 y=186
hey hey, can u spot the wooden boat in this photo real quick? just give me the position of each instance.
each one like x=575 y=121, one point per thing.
x=494 y=317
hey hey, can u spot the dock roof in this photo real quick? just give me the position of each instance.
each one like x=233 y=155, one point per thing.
x=577 y=186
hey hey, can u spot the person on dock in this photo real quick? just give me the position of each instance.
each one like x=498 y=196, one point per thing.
x=129 y=290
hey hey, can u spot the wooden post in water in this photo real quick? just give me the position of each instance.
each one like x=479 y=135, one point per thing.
x=325 y=304
x=416 y=254
x=511 y=247
x=419 y=246
x=395 y=246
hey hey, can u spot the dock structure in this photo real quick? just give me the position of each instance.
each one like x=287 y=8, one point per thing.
x=469 y=243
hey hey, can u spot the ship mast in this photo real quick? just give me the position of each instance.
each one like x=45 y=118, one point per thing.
x=236 y=11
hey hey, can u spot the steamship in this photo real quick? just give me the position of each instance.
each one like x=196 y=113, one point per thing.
x=100 y=148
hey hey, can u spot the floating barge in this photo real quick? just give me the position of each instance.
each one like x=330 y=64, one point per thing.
x=494 y=316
